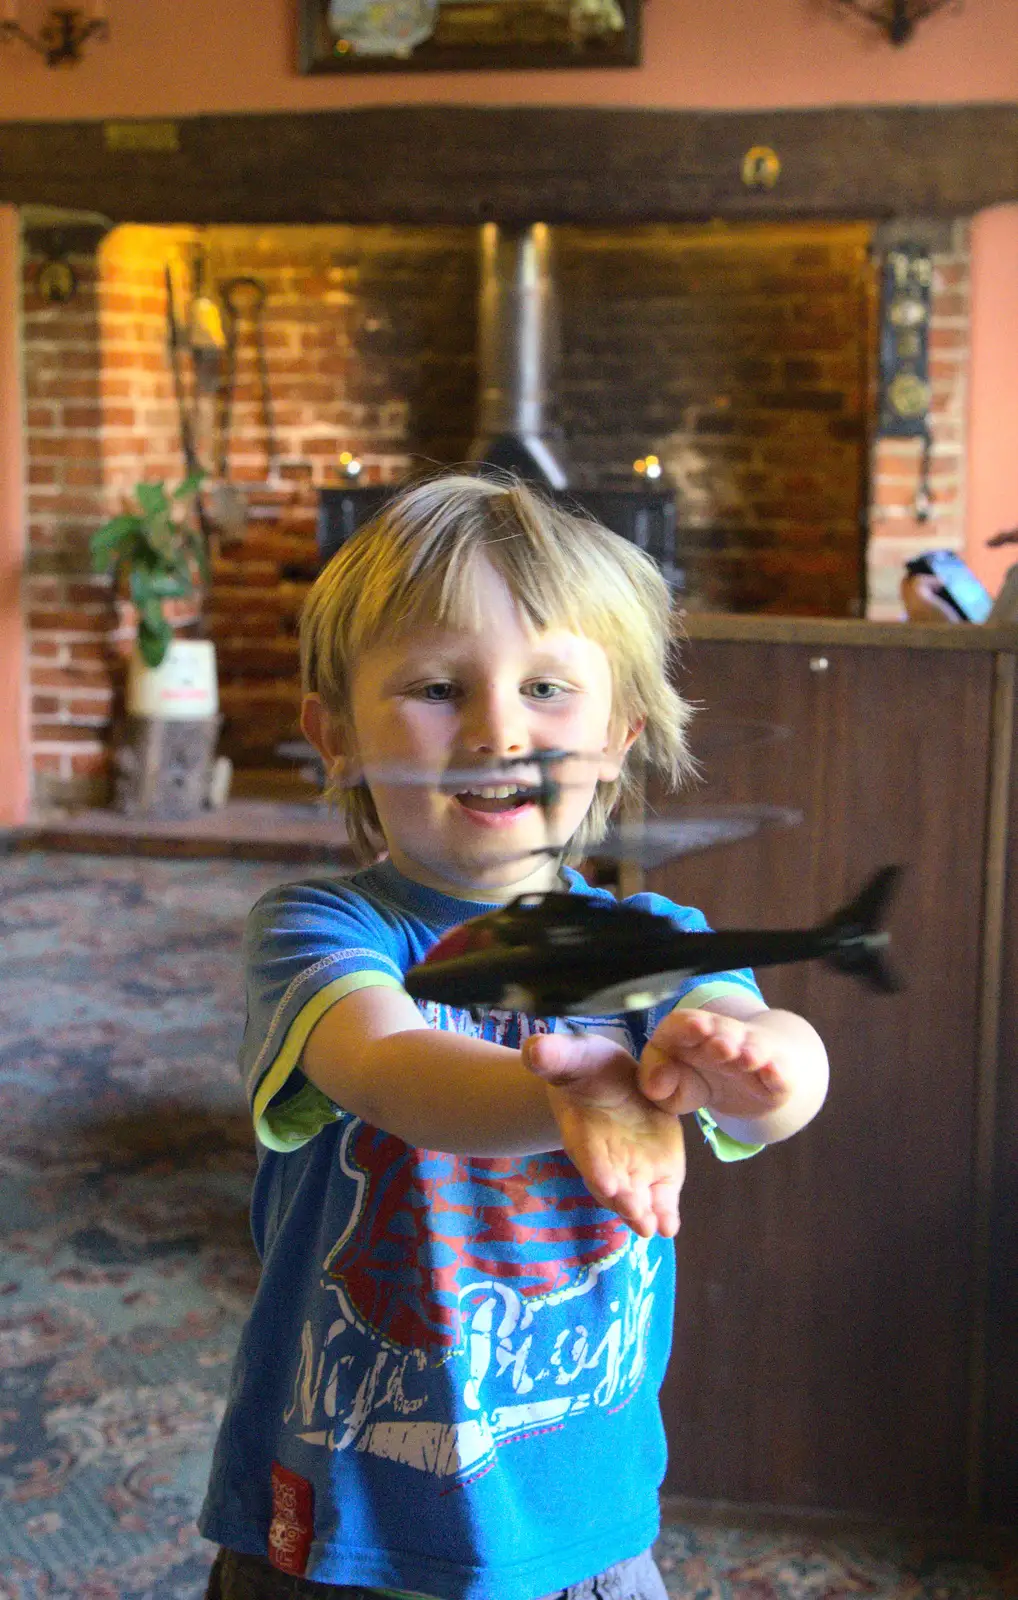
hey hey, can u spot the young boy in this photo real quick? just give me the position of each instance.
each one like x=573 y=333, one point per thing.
x=448 y=1382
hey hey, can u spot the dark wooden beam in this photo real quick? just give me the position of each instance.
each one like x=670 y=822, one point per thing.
x=428 y=164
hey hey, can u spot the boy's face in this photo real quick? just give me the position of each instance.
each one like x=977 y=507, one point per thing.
x=436 y=700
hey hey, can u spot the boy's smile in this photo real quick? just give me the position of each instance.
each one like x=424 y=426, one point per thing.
x=443 y=720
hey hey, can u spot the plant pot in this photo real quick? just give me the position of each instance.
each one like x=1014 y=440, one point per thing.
x=167 y=767
x=165 y=761
x=183 y=688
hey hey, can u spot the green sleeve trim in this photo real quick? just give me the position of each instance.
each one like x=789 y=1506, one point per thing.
x=289 y=1125
x=704 y=993
x=296 y=1121
x=723 y=1145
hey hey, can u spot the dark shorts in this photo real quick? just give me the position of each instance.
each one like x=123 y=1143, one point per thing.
x=237 y=1577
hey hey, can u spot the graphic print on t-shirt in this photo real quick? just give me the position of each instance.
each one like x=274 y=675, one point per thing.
x=493 y=1291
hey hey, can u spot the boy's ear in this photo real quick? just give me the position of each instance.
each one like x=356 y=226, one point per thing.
x=616 y=751
x=322 y=729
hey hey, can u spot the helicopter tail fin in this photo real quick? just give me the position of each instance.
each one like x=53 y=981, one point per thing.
x=858 y=941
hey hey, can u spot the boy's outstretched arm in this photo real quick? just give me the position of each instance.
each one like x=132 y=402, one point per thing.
x=373 y=1054
x=761 y=1074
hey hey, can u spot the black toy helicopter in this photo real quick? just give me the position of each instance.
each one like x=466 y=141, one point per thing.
x=559 y=954
x=551 y=954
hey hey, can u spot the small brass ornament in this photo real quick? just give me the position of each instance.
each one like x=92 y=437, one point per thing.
x=761 y=167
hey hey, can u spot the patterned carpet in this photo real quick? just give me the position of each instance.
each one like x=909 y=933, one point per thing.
x=125 y=1262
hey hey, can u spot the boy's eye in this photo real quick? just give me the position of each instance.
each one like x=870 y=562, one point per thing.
x=437 y=691
x=545 y=689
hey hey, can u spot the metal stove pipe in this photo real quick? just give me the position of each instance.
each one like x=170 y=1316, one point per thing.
x=517 y=355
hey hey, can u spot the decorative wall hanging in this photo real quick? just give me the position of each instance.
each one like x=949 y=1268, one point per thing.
x=63 y=33
x=904 y=342
x=905 y=391
x=897 y=18
x=454 y=35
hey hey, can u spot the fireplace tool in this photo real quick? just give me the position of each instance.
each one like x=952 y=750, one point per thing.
x=241 y=295
x=175 y=341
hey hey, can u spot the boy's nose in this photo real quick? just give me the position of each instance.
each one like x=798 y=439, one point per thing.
x=496 y=724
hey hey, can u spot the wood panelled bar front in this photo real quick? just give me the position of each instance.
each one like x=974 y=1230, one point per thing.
x=848 y=1301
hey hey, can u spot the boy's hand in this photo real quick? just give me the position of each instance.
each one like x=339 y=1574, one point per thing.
x=629 y=1153
x=734 y=1067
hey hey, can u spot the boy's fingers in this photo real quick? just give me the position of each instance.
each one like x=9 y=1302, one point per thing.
x=684 y=1027
x=651 y=1210
x=658 y=1076
x=666 y=1209
x=729 y=1046
x=560 y=1059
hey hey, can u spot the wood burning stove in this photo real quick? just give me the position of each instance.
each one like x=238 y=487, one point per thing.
x=516 y=430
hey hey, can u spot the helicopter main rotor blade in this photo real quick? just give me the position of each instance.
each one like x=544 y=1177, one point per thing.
x=712 y=738
x=532 y=770
x=642 y=844
x=651 y=844
x=709 y=741
x=655 y=843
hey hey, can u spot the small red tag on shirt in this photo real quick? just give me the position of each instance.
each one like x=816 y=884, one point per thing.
x=293 y=1521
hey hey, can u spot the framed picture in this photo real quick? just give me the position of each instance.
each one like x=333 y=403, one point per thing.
x=458 y=35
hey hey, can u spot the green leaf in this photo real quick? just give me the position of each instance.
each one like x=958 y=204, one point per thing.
x=154 y=585
x=170 y=585
x=190 y=486
x=163 y=559
x=154 y=638
x=108 y=542
x=152 y=499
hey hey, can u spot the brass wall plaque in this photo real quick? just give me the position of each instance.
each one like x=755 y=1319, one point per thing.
x=161 y=138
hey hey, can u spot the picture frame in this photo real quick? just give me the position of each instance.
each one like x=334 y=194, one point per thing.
x=353 y=36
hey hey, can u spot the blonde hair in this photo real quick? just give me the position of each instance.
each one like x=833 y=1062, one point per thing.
x=414 y=560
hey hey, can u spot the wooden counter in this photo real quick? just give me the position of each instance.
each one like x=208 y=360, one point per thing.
x=964 y=636
x=848 y=1302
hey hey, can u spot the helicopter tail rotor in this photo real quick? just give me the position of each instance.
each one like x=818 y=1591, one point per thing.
x=858 y=941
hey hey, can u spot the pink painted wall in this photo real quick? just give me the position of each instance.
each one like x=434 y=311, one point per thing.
x=185 y=57
x=13 y=718
x=993 y=393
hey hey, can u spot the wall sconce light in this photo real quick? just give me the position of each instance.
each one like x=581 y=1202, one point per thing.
x=898 y=18
x=62 y=34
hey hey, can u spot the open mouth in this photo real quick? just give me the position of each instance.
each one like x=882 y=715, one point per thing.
x=500 y=797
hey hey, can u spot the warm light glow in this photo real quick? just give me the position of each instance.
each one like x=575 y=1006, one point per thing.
x=350 y=464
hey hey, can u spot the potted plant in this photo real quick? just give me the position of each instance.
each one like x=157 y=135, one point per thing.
x=165 y=762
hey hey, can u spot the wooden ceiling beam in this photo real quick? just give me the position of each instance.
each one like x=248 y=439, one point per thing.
x=446 y=164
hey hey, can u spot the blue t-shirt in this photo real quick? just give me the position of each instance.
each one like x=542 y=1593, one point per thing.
x=448 y=1382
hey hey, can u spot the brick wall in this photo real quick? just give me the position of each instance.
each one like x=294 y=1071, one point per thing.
x=99 y=416
x=67 y=615
x=742 y=357
x=368 y=340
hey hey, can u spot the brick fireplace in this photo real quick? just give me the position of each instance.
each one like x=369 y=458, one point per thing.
x=742 y=354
